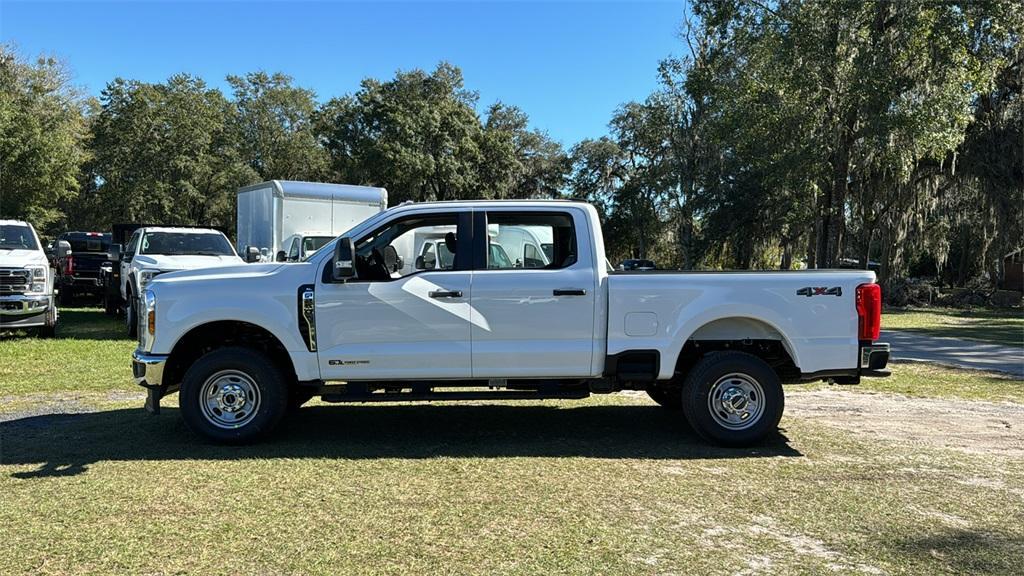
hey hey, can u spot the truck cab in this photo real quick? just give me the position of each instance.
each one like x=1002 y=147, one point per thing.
x=355 y=322
x=302 y=245
x=26 y=280
x=155 y=250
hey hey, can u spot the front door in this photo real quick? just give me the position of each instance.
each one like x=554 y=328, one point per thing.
x=533 y=315
x=402 y=317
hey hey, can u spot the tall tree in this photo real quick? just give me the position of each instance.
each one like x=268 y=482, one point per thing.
x=418 y=135
x=275 y=130
x=167 y=153
x=42 y=138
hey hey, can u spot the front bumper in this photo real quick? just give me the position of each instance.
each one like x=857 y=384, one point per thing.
x=148 y=369
x=24 y=311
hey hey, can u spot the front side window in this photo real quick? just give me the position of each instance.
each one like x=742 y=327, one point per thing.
x=293 y=252
x=530 y=240
x=185 y=244
x=17 y=237
x=408 y=246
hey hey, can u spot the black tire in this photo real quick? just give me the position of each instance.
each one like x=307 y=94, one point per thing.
x=109 y=305
x=754 y=382
x=65 y=297
x=46 y=331
x=263 y=382
x=130 y=315
x=668 y=397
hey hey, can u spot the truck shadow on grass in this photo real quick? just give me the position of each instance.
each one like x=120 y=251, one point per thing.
x=66 y=444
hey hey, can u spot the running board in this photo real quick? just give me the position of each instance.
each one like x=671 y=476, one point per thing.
x=459 y=395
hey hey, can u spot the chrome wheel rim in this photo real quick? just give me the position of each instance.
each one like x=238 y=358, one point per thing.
x=736 y=401
x=229 y=399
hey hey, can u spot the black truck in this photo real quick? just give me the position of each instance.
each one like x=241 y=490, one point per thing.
x=78 y=273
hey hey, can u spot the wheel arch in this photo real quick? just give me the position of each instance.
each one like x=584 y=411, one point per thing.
x=743 y=332
x=223 y=333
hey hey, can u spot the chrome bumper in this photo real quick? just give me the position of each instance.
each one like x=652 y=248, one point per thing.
x=24 y=310
x=148 y=369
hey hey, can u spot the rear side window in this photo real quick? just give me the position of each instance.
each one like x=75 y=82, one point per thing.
x=530 y=240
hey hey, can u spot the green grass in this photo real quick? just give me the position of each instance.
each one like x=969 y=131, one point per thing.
x=91 y=353
x=995 y=326
x=610 y=485
x=607 y=485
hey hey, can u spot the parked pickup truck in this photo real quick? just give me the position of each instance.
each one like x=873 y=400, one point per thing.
x=351 y=324
x=155 y=250
x=26 y=280
x=79 y=272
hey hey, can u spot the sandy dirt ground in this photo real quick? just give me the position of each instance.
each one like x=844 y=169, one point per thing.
x=967 y=425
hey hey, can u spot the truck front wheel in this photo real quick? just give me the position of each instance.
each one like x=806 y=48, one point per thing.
x=233 y=395
x=733 y=398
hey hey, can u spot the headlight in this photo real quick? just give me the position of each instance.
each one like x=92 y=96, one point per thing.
x=40 y=288
x=146 y=276
x=38 y=272
x=149 y=306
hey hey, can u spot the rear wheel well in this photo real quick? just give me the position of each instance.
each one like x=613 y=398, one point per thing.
x=773 y=352
x=202 y=339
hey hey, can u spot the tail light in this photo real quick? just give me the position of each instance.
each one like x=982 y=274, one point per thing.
x=869 y=311
x=69 y=265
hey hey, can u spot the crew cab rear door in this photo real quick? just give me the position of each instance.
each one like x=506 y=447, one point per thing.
x=402 y=317
x=534 y=316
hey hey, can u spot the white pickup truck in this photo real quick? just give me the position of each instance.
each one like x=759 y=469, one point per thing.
x=156 y=250
x=26 y=280
x=243 y=344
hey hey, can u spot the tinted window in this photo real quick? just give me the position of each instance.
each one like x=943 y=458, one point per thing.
x=17 y=237
x=184 y=243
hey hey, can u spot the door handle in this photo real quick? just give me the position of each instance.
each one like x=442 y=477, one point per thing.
x=445 y=294
x=570 y=292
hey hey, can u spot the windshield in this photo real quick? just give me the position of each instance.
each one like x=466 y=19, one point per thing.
x=184 y=243
x=17 y=237
x=311 y=244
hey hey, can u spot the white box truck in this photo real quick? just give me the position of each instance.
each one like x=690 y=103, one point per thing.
x=289 y=220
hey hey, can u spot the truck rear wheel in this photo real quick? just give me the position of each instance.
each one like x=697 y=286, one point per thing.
x=733 y=398
x=233 y=395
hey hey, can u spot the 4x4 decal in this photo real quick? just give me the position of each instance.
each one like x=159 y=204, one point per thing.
x=822 y=291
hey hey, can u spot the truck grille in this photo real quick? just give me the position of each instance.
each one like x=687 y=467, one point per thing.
x=14 y=280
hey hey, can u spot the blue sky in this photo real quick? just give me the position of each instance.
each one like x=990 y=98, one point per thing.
x=568 y=65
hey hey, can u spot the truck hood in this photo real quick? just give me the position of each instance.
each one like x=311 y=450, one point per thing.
x=219 y=273
x=189 y=262
x=22 y=258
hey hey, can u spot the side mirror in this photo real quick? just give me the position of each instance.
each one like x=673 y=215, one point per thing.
x=114 y=253
x=343 y=260
x=252 y=254
x=281 y=256
x=63 y=249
